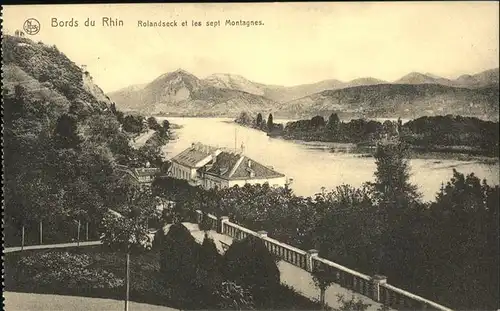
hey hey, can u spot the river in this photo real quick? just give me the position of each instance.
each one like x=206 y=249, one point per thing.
x=313 y=166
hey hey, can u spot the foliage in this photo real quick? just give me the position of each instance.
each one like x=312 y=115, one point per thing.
x=205 y=224
x=461 y=228
x=234 y=297
x=258 y=120
x=61 y=161
x=352 y=304
x=45 y=174
x=187 y=198
x=104 y=280
x=244 y=118
x=66 y=270
x=66 y=135
x=270 y=123
x=322 y=278
x=46 y=63
x=383 y=307
x=249 y=262
x=440 y=133
x=452 y=131
x=392 y=177
x=317 y=121
x=453 y=239
x=133 y=124
x=179 y=256
x=333 y=124
x=211 y=257
x=153 y=124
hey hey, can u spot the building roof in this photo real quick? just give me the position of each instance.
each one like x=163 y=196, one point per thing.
x=231 y=166
x=146 y=171
x=194 y=154
x=138 y=172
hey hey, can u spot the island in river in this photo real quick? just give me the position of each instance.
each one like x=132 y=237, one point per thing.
x=456 y=136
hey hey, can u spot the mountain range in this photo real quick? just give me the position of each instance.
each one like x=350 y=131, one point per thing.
x=47 y=74
x=413 y=95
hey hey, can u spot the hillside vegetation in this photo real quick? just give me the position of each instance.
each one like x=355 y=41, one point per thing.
x=403 y=100
x=63 y=142
x=43 y=69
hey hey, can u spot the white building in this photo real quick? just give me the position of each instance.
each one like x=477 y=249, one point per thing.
x=186 y=165
x=211 y=167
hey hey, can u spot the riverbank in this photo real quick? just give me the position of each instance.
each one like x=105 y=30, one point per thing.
x=451 y=152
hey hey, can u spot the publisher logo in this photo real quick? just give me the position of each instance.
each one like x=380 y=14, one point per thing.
x=31 y=26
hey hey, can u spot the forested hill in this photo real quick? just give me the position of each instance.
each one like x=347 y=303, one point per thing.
x=47 y=74
x=63 y=140
x=403 y=100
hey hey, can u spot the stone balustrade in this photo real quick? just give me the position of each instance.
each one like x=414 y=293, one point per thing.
x=374 y=287
x=400 y=299
x=347 y=278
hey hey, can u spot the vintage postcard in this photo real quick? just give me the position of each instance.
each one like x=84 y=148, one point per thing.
x=251 y=156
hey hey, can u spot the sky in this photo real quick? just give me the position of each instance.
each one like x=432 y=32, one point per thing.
x=298 y=43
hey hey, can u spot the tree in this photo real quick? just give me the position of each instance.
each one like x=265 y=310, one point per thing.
x=317 y=121
x=66 y=132
x=133 y=124
x=333 y=122
x=244 y=118
x=390 y=128
x=153 y=124
x=258 y=121
x=394 y=195
x=127 y=230
x=345 y=227
x=211 y=257
x=392 y=176
x=179 y=257
x=463 y=224
x=165 y=125
x=270 y=123
x=322 y=279
x=208 y=276
x=248 y=262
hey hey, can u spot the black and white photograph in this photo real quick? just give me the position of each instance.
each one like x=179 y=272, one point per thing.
x=339 y=156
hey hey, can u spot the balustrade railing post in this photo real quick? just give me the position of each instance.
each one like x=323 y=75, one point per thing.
x=311 y=254
x=262 y=234
x=198 y=216
x=377 y=280
x=22 y=238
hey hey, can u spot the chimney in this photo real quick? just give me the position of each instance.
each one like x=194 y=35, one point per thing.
x=249 y=163
x=214 y=157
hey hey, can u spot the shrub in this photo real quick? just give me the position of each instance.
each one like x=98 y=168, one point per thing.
x=210 y=257
x=64 y=270
x=179 y=256
x=248 y=262
x=352 y=304
x=234 y=297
